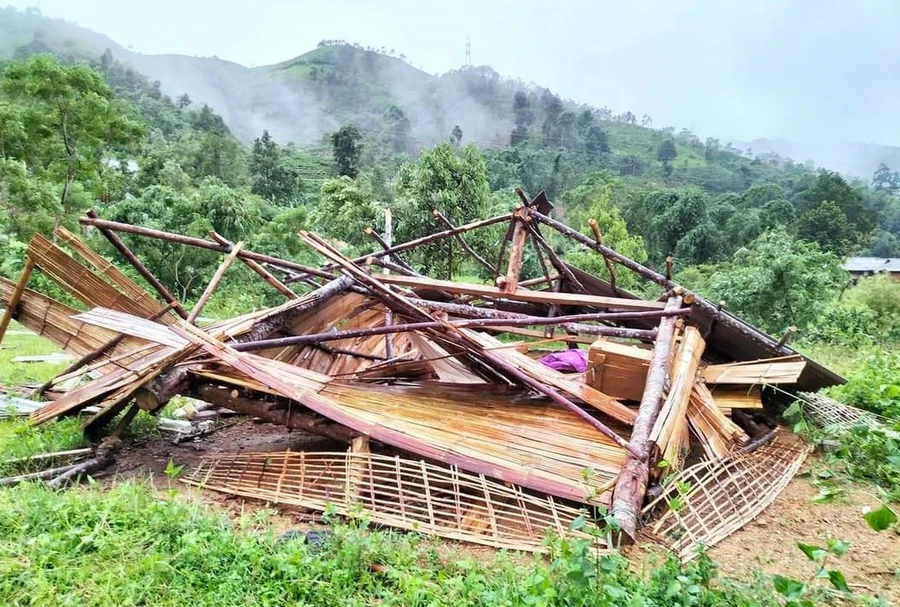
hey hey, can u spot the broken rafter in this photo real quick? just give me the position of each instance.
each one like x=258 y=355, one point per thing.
x=115 y=226
x=16 y=296
x=214 y=282
x=567 y=299
x=138 y=265
x=257 y=267
x=516 y=251
x=300 y=340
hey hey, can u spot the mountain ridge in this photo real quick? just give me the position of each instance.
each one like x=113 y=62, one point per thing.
x=308 y=96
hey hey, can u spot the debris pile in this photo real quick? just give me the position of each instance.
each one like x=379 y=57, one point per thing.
x=463 y=417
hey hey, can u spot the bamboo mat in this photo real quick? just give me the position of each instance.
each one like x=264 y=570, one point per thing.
x=498 y=431
x=709 y=501
x=399 y=492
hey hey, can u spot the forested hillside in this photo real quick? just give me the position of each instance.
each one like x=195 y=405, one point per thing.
x=82 y=128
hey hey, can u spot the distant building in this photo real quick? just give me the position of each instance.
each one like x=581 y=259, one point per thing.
x=867 y=266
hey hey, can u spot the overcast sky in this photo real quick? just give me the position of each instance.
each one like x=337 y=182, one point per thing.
x=808 y=70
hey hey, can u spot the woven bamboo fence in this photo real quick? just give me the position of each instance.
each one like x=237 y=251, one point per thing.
x=710 y=500
x=395 y=491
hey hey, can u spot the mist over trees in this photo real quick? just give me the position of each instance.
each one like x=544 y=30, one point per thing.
x=137 y=154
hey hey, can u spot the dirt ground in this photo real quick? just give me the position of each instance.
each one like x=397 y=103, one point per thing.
x=768 y=543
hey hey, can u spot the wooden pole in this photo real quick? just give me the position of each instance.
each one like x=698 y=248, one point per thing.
x=388 y=312
x=631 y=487
x=300 y=340
x=257 y=267
x=216 y=279
x=115 y=226
x=120 y=246
x=701 y=304
x=16 y=296
x=555 y=260
x=465 y=245
x=516 y=250
x=385 y=244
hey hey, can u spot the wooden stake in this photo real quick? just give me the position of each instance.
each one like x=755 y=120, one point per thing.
x=216 y=279
x=16 y=296
x=595 y=228
x=631 y=486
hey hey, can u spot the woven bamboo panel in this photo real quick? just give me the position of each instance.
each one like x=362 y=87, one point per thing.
x=399 y=492
x=784 y=370
x=716 y=498
x=827 y=412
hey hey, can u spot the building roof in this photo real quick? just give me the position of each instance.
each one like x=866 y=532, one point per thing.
x=872 y=264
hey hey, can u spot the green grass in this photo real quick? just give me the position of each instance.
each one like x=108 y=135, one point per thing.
x=130 y=546
x=15 y=374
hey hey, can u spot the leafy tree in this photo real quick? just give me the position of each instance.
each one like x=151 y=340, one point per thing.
x=518 y=136
x=523 y=115
x=827 y=225
x=70 y=117
x=399 y=129
x=345 y=210
x=184 y=101
x=346 y=144
x=596 y=142
x=271 y=176
x=859 y=220
x=666 y=154
x=456 y=135
x=450 y=181
x=777 y=281
x=886 y=180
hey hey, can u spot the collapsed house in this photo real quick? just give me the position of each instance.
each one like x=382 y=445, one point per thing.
x=462 y=416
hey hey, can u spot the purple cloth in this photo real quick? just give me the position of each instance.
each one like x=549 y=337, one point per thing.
x=566 y=361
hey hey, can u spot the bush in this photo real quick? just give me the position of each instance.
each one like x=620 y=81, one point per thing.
x=874 y=385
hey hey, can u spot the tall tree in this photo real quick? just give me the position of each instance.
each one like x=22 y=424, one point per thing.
x=666 y=154
x=886 y=180
x=346 y=144
x=271 y=177
x=450 y=181
x=456 y=135
x=596 y=142
x=71 y=118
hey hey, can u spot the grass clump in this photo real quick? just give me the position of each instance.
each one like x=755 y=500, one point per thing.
x=128 y=546
x=19 y=439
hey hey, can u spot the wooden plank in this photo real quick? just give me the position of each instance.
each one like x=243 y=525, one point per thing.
x=514 y=268
x=568 y=299
x=214 y=282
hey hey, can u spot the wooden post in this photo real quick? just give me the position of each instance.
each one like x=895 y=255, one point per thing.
x=358 y=460
x=16 y=296
x=120 y=246
x=388 y=313
x=257 y=267
x=631 y=487
x=216 y=279
x=520 y=233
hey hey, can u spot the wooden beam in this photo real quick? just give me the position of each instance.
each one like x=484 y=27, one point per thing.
x=16 y=296
x=257 y=267
x=631 y=487
x=214 y=282
x=567 y=299
x=115 y=226
x=120 y=246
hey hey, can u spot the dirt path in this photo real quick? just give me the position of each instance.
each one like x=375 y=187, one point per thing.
x=769 y=542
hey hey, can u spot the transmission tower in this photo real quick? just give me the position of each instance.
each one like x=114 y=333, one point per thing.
x=468 y=62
